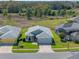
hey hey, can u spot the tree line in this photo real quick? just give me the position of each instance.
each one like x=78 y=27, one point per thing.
x=38 y=10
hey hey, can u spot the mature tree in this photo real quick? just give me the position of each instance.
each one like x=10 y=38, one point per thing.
x=22 y=11
x=46 y=11
x=5 y=12
x=29 y=13
x=53 y=13
x=39 y=13
x=49 y=12
x=63 y=12
x=5 y=9
x=35 y=12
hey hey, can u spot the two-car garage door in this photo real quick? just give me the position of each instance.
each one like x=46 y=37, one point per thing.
x=44 y=40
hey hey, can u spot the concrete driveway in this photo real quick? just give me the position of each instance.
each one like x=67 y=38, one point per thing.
x=5 y=49
x=45 y=49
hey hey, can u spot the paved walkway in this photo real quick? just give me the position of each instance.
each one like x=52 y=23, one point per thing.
x=5 y=49
x=45 y=49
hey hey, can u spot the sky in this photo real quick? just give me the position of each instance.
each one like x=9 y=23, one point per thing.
x=41 y=0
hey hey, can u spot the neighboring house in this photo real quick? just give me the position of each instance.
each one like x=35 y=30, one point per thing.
x=70 y=29
x=39 y=34
x=9 y=34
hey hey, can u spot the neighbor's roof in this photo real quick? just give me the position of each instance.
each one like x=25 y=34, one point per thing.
x=9 y=31
x=69 y=27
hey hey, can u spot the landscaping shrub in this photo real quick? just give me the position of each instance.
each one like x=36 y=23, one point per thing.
x=20 y=39
x=62 y=35
x=70 y=21
x=24 y=40
x=53 y=42
x=63 y=40
x=77 y=42
x=21 y=46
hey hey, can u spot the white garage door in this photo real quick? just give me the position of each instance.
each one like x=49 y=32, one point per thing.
x=44 y=40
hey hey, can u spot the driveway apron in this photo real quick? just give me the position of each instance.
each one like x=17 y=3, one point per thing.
x=45 y=49
x=5 y=49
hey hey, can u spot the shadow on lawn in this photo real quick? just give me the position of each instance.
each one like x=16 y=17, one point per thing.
x=6 y=44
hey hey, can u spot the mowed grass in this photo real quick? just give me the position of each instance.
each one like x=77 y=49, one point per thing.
x=58 y=43
x=26 y=45
x=24 y=51
x=23 y=31
x=63 y=46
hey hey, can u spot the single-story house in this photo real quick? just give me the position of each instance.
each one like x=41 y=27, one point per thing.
x=39 y=34
x=9 y=34
x=68 y=27
x=71 y=30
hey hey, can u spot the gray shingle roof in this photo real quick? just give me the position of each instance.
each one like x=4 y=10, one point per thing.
x=69 y=27
x=9 y=32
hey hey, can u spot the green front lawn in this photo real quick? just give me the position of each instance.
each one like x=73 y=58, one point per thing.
x=66 y=49
x=24 y=46
x=23 y=31
x=58 y=42
x=24 y=51
x=59 y=45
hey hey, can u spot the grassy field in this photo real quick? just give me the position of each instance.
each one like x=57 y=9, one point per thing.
x=24 y=23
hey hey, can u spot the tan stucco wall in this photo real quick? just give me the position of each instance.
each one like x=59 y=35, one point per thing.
x=8 y=40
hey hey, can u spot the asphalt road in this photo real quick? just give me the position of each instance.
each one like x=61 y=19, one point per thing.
x=63 y=55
